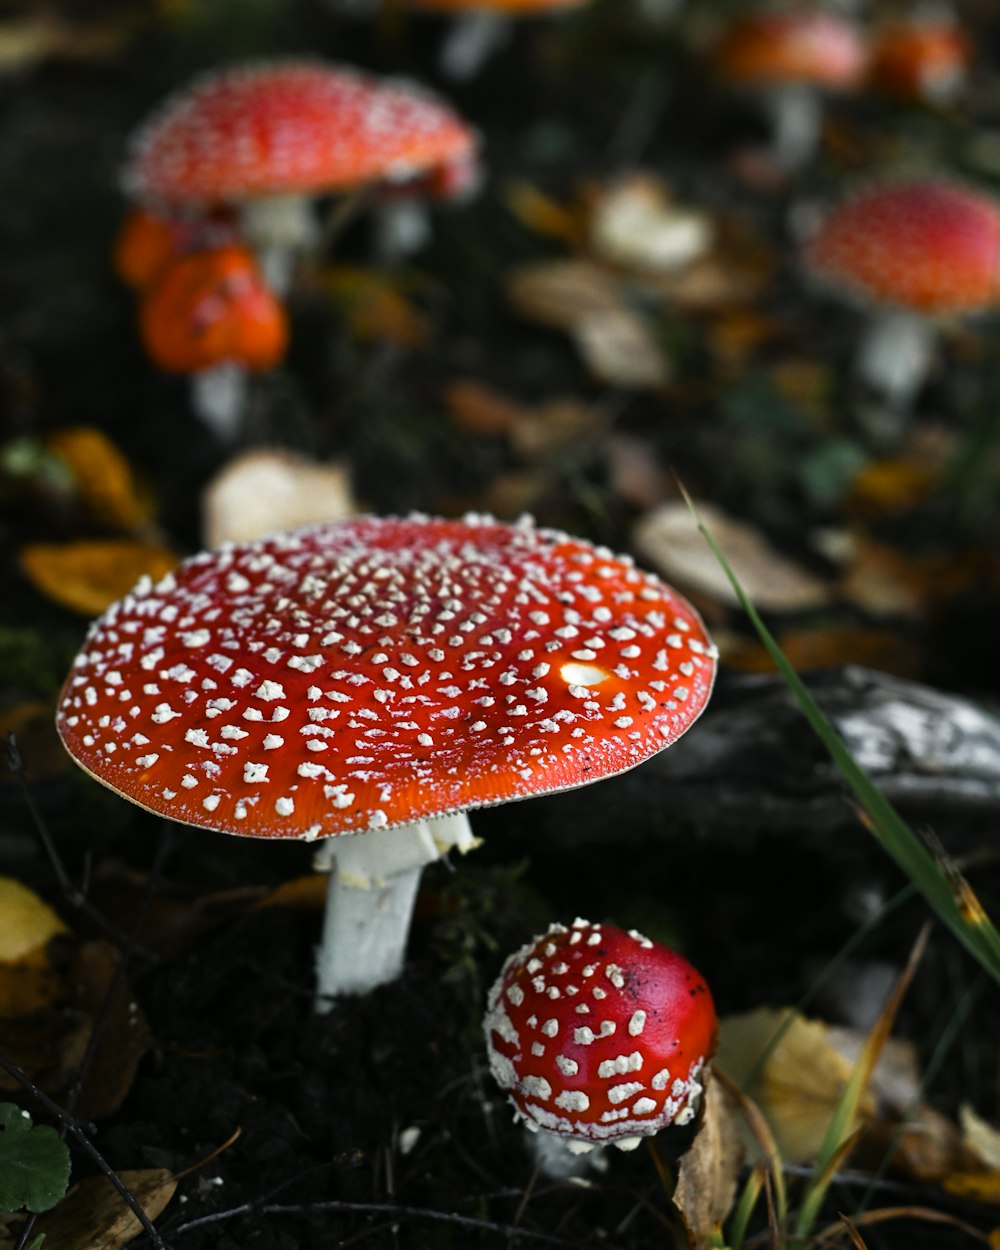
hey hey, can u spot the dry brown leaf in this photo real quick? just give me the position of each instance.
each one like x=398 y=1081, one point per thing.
x=267 y=489
x=28 y=979
x=635 y=473
x=618 y=348
x=980 y=1137
x=544 y=215
x=668 y=537
x=88 y=576
x=306 y=893
x=882 y=582
x=707 y=1173
x=375 y=307
x=716 y=282
x=33 y=723
x=560 y=293
x=534 y=431
x=103 y=477
x=894 y=487
x=798 y=1085
x=737 y=335
x=824 y=647
x=479 y=409
x=634 y=223
x=94 y=1216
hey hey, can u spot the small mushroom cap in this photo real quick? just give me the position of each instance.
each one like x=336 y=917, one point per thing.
x=212 y=307
x=922 y=59
x=924 y=245
x=598 y=1034
x=791 y=47
x=293 y=127
x=371 y=672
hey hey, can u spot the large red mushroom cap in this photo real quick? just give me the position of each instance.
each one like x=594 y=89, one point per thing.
x=793 y=46
x=290 y=127
x=600 y=1036
x=926 y=58
x=367 y=673
x=925 y=245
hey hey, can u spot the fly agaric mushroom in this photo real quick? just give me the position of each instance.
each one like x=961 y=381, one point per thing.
x=266 y=138
x=922 y=59
x=599 y=1036
x=209 y=314
x=148 y=240
x=790 y=58
x=379 y=677
x=915 y=252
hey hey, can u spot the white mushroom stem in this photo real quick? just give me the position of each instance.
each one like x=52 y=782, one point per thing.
x=471 y=41
x=402 y=226
x=279 y=228
x=374 y=878
x=796 y=114
x=895 y=355
x=219 y=397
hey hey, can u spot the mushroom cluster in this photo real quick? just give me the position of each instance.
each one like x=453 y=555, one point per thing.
x=599 y=1036
x=380 y=676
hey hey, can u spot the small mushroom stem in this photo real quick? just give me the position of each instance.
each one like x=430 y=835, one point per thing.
x=374 y=878
x=895 y=356
x=796 y=114
x=402 y=227
x=472 y=39
x=219 y=397
x=279 y=228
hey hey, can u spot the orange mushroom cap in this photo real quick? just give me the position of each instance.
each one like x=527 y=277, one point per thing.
x=925 y=245
x=786 y=47
x=148 y=240
x=210 y=307
x=290 y=127
x=920 y=60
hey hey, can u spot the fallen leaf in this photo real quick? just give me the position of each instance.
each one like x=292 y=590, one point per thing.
x=618 y=348
x=103 y=478
x=544 y=215
x=560 y=293
x=33 y=724
x=894 y=487
x=267 y=489
x=479 y=409
x=375 y=308
x=981 y=1137
x=88 y=576
x=94 y=1216
x=796 y=1081
x=668 y=537
x=634 y=223
x=707 y=1173
x=28 y=979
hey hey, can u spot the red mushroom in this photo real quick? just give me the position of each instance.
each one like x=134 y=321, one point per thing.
x=381 y=675
x=790 y=57
x=209 y=314
x=915 y=252
x=268 y=137
x=925 y=58
x=600 y=1037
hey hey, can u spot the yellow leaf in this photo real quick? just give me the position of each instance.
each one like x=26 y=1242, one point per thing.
x=89 y=576
x=94 y=1216
x=28 y=922
x=976 y=1186
x=103 y=477
x=375 y=308
x=543 y=215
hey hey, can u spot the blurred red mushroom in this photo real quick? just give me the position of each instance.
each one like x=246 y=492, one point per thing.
x=789 y=58
x=913 y=252
x=148 y=240
x=922 y=59
x=380 y=677
x=267 y=138
x=209 y=314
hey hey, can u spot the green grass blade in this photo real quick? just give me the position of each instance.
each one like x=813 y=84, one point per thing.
x=947 y=893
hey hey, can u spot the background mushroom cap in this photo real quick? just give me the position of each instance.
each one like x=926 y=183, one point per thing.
x=598 y=1034
x=290 y=127
x=791 y=47
x=371 y=672
x=926 y=245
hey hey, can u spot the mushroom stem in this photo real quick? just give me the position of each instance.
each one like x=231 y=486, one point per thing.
x=472 y=39
x=796 y=114
x=374 y=878
x=279 y=228
x=895 y=355
x=219 y=397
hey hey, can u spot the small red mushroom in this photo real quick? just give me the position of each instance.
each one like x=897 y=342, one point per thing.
x=599 y=1036
x=922 y=59
x=209 y=314
x=148 y=240
x=267 y=138
x=380 y=677
x=914 y=252
x=789 y=57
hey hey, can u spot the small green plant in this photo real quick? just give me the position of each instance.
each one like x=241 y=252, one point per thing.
x=34 y=1162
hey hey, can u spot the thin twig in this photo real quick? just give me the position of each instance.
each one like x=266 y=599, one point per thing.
x=80 y=1131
